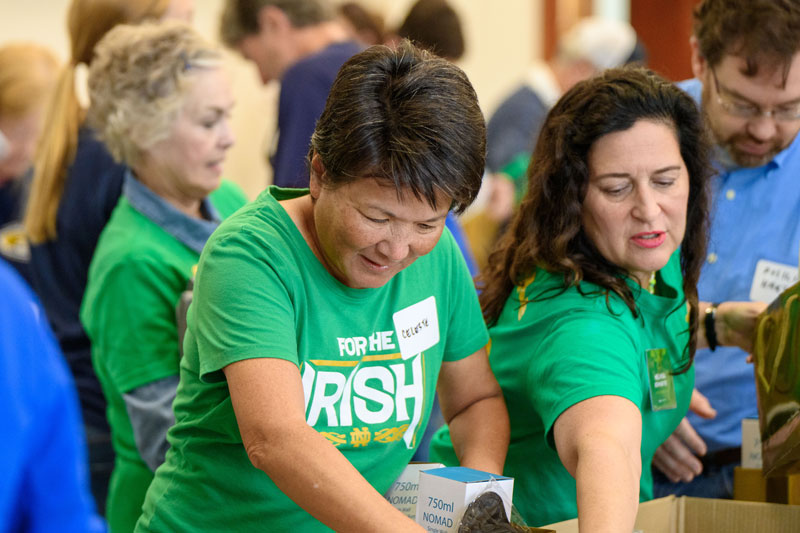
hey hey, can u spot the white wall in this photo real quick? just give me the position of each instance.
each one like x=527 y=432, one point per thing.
x=502 y=39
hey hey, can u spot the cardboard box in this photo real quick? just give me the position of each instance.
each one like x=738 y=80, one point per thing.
x=404 y=491
x=445 y=493
x=749 y=485
x=703 y=515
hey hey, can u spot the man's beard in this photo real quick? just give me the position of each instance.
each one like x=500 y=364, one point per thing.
x=746 y=159
x=729 y=145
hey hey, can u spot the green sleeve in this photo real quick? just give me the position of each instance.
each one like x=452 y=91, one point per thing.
x=466 y=331
x=131 y=321
x=585 y=354
x=241 y=307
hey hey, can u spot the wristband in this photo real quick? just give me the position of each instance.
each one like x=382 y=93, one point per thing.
x=710 y=322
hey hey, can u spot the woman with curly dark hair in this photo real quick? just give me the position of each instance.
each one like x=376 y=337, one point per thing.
x=592 y=301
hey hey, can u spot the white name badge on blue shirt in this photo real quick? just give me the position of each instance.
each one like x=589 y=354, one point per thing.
x=417 y=327
x=771 y=279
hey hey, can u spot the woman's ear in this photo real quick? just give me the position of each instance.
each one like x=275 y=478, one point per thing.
x=315 y=181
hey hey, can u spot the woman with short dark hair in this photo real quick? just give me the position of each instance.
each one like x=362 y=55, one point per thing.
x=323 y=320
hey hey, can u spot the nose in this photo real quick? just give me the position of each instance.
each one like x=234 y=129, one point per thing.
x=395 y=246
x=226 y=137
x=762 y=128
x=645 y=206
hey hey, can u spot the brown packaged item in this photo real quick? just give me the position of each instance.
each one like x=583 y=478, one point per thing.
x=777 y=374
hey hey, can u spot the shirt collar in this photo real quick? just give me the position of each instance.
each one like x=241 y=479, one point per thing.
x=190 y=231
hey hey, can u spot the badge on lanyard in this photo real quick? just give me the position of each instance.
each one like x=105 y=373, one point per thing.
x=662 y=387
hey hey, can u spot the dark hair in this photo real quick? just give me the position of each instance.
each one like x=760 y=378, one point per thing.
x=408 y=117
x=367 y=25
x=547 y=230
x=434 y=25
x=760 y=31
x=240 y=17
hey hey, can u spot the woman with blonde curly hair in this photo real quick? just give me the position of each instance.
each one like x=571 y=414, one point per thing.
x=75 y=186
x=161 y=103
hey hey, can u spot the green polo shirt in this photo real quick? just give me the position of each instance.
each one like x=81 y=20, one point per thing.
x=561 y=348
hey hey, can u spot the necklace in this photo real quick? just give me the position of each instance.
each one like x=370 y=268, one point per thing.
x=651 y=285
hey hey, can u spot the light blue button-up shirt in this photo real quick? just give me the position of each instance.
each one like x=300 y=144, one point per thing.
x=755 y=217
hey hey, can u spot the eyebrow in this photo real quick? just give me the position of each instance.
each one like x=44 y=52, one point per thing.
x=735 y=94
x=627 y=175
x=217 y=109
x=203 y=108
x=392 y=215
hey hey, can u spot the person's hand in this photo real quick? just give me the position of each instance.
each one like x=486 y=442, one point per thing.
x=736 y=323
x=677 y=456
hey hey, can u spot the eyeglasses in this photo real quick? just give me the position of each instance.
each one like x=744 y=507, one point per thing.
x=750 y=111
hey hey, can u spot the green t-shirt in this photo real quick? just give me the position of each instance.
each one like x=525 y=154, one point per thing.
x=137 y=274
x=550 y=354
x=261 y=292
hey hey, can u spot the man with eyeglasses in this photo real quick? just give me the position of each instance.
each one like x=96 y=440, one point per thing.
x=746 y=61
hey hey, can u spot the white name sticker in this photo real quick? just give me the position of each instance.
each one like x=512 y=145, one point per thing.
x=771 y=279
x=417 y=327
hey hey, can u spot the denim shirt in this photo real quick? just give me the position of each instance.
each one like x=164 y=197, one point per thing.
x=149 y=407
x=192 y=232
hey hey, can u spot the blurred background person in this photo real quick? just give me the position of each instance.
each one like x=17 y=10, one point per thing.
x=28 y=74
x=161 y=103
x=591 y=45
x=435 y=26
x=259 y=436
x=363 y=25
x=45 y=485
x=302 y=44
x=76 y=185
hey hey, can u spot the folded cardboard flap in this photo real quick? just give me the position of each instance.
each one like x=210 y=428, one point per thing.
x=727 y=516
x=703 y=515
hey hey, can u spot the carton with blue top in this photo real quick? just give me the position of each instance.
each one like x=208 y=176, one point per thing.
x=445 y=493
